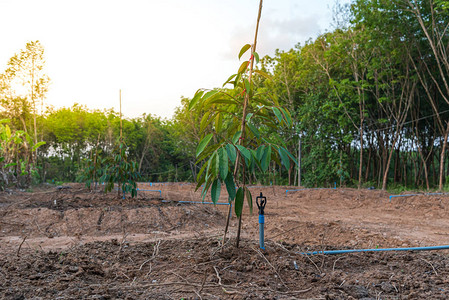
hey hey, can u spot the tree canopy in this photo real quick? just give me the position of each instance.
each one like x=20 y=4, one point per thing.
x=369 y=104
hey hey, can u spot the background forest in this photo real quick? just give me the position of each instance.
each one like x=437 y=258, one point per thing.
x=369 y=104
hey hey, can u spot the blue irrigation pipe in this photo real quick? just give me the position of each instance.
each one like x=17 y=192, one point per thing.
x=330 y=252
x=410 y=195
x=157 y=183
x=160 y=192
x=195 y=202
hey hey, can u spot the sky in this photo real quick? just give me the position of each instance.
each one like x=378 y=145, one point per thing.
x=154 y=51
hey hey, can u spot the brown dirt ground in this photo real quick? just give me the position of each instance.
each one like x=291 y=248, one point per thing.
x=73 y=243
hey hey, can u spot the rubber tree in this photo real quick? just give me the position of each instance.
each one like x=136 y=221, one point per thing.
x=432 y=17
x=233 y=145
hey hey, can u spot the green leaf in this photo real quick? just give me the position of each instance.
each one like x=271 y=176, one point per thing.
x=253 y=129
x=223 y=101
x=263 y=74
x=212 y=165
x=239 y=198
x=8 y=132
x=229 y=79
x=230 y=187
x=195 y=99
x=200 y=179
x=247 y=85
x=255 y=160
x=243 y=67
x=203 y=143
x=287 y=116
x=217 y=164
x=211 y=100
x=236 y=137
x=215 y=191
x=237 y=79
x=223 y=163
x=218 y=122
x=209 y=94
x=205 y=189
x=249 y=199
x=284 y=157
x=245 y=152
x=256 y=56
x=38 y=145
x=205 y=120
x=206 y=152
x=232 y=155
x=277 y=112
x=266 y=158
x=259 y=152
x=291 y=156
x=244 y=49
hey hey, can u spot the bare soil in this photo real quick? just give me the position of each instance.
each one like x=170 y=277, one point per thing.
x=72 y=243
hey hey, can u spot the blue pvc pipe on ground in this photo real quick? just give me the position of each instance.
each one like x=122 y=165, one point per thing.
x=195 y=202
x=407 y=195
x=377 y=250
x=410 y=195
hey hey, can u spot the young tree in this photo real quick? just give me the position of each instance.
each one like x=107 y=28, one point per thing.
x=27 y=78
x=233 y=146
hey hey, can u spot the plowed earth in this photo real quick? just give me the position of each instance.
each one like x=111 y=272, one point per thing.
x=72 y=243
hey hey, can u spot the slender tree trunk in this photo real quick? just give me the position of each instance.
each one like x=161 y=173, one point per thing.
x=361 y=154
x=33 y=101
x=245 y=106
x=368 y=164
x=404 y=174
x=424 y=164
x=390 y=155
x=289 y=174
x=443 y=150
x=396 y=165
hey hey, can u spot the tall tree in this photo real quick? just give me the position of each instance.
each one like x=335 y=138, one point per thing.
x=25 y=78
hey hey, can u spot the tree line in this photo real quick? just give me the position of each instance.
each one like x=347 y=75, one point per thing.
x=369 y=102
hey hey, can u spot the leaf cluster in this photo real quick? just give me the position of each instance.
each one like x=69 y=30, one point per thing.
x=232 y=139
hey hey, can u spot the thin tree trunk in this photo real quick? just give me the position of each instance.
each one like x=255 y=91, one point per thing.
x=387 y=166
x=443 y=150
x=368 y=165
x=424 y=163
x=245 y=106
x=361 y=154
